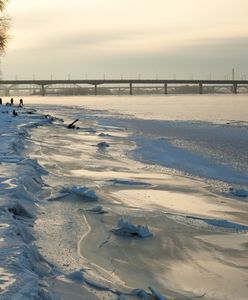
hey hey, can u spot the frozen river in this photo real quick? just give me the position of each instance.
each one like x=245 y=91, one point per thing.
x=203 y=136
x=177 y=164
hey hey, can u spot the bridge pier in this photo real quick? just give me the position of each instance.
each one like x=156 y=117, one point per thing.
x=131 y=88
x=43 y=91
x=95 y=89
x=165 y=88
x=201 y=88
x=235 y=88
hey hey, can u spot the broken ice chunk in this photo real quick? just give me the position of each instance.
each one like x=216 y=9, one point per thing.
x=102 y=134
x=77 y=276
x=85 y=192
x=127 y=182
x=97 y=210
x=154 y=295
x=103 y=145
x=141 y=294
x=126 y=228
x=81 y=191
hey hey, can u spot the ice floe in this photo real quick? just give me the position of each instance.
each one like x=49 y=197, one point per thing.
x=126 y=228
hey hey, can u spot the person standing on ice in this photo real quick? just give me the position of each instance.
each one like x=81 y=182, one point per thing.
x=12 y=101
x=21 y=103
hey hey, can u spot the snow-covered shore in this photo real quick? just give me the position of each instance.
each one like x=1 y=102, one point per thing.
x=84 y=211
x=21 y=266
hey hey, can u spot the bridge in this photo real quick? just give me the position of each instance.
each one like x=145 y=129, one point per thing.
x=44 y=85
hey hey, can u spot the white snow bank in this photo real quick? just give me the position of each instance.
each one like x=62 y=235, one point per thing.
x=126 y=228
x=20 y=184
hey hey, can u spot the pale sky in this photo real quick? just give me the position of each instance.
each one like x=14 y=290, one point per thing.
x=188 y=38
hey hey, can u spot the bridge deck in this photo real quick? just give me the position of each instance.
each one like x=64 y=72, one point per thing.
x=46 y=84
x=123 y=81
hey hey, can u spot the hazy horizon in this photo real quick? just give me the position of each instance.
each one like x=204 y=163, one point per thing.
x=93 y=37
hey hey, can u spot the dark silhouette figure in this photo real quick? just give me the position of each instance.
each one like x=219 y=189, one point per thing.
x=12 y=101
x=21 y=103
x=1 y=101
x=15 y=113
x=72 y=126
